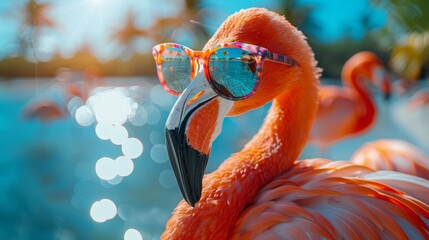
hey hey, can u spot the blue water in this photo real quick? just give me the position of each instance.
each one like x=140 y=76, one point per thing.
x=48 y=181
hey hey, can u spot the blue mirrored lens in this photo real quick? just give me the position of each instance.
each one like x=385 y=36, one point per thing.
x=233 y=71
x=176 y=69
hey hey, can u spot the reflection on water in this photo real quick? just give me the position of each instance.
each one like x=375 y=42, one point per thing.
x=109 y=109
x=103 y=172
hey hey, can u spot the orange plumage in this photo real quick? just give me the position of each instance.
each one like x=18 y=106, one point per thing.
x=262 y=192
x=394 y=155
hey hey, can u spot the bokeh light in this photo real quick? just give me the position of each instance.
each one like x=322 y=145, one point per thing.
x=159 y=96
x=158 y=153
x=103 y=131
x=112 y=106
x=124 y=166
x=118 y=134
x=132 y=234
x=74 y=104
x=116 y=180
x=84 y=116
x=132 y=148
x=106 y=168
x=154 y=114
x=140 y=117
x=103 y=210
x=110 y=109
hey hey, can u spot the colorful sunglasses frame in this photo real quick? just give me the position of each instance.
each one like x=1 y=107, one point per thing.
x=262 y=54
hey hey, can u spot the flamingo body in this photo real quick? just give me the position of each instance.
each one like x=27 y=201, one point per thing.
x=262 y=192
x=335 y=200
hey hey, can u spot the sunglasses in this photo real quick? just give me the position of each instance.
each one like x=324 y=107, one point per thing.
x=233 y=69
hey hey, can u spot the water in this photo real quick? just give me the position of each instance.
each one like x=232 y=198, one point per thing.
x=111 y=176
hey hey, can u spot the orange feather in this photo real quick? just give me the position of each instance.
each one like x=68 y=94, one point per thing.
x=394 y=155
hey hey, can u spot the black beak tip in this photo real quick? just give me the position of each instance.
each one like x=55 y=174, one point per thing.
x=192 y=201
x=188 y=165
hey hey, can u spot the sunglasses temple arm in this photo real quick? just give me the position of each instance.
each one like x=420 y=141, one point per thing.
x=281 y=59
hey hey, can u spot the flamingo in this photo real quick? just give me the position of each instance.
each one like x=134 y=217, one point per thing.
x=262 y=192
x=48 y=110
x=349 y=110
x=44 y=110
x=395 y=155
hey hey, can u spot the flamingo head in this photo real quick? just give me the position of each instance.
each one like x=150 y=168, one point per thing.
x=196 y=118
x=368 y=66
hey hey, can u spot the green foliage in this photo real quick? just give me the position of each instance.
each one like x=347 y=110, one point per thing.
x=408 y=32
x=331 y=57
x=406 y=16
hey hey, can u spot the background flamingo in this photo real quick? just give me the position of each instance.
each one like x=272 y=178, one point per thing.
x=44 y=110
x=349 y=110
x=53 y=104
x=262 y=192
x=69 y=85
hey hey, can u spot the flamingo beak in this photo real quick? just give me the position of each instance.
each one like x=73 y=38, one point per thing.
x=386 y=87
x=383 y=79
x=192 y=126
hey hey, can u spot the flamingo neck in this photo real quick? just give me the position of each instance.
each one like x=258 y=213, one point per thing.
x=272 y=151
x=367 y=117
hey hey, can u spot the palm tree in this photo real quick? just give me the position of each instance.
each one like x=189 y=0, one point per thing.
x=405 y=16
x=35 y=19
x=187 y=19
x=225 y=54
x=128 y=33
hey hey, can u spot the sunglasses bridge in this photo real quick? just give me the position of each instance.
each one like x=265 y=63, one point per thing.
x=198 y=60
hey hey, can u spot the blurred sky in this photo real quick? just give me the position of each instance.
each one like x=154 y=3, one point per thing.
x=92 y=21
